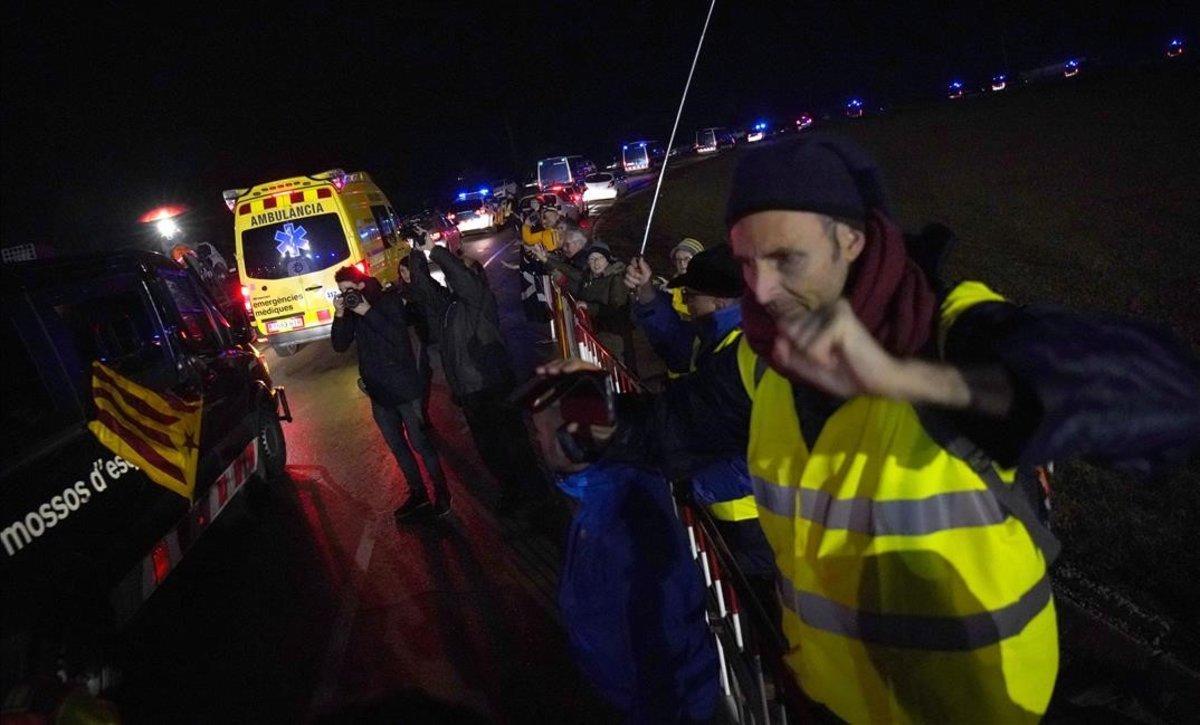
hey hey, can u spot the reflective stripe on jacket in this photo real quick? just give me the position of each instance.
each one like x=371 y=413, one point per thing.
x=909 y=593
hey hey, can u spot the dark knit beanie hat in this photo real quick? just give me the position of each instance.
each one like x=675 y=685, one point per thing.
x=819 y=173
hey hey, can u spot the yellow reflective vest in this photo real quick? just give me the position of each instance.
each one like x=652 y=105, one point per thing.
x=679 y=305
x=909 y=594
x=550 y=239
x=738 y=509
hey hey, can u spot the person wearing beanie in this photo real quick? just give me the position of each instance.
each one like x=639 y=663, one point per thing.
x=602 y=292
x=891 y=425
x=681 y=255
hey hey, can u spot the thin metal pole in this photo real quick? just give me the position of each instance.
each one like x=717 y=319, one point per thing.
x=671 y=143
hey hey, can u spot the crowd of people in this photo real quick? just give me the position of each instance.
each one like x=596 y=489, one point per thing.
x=862 y=430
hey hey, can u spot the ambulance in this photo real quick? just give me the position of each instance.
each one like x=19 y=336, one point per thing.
x=291 y=237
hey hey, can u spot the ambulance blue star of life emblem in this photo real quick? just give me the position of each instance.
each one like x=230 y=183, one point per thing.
x=291 y=240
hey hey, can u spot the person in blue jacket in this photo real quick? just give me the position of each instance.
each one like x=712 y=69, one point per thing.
x=712 y=290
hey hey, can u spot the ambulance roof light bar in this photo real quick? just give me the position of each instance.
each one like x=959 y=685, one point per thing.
x=231 y=196
x=336 y=176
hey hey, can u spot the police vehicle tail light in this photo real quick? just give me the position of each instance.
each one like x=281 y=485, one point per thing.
x=162 y=561
x=364 y=266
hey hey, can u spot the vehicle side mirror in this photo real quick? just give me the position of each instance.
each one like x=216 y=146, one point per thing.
x=244 y=335
x=191 y=369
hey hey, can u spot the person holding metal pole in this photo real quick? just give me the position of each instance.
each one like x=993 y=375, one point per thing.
x=891 y=424
x=477 y=367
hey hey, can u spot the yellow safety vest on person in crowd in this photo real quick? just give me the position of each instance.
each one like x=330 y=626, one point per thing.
x=549 y=239
x=738 y=509
x=679 y=305
x=909 y=594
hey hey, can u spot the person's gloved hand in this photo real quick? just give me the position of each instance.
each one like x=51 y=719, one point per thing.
x=567 y=433
x=638 y=277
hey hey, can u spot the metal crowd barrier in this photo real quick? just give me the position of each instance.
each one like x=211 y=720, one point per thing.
x=569 y=328
x=757 y=686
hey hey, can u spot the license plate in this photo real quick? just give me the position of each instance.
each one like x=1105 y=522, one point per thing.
x=286 y=324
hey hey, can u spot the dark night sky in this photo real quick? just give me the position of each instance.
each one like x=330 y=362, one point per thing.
x=109 y=110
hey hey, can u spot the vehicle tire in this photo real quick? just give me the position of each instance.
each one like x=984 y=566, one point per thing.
x=286 y=349
x=272 y=446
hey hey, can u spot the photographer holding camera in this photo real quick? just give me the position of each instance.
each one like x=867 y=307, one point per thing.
x=466 y=324
x=378 y=322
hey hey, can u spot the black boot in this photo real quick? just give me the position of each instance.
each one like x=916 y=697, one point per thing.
x=416 y=506
x=441 y=500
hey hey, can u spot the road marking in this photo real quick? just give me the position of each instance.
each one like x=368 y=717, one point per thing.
x=343 y=623
x=502 y=250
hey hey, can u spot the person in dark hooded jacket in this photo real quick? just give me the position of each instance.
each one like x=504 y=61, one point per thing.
x=467 y=328
x=378 y=323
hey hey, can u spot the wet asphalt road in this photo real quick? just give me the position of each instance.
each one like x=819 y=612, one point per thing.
x=308 y=603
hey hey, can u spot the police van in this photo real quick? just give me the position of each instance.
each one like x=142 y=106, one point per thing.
x=639 y=156
x=291 y=237
x=563 y=172
x=134 y=412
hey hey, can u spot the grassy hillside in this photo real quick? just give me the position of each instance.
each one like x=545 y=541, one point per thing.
x=1083 y=194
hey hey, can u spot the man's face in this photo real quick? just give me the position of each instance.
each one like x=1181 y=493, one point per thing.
x=348 y=285
x=573 y=246
x=550 y=218
x=681 y=260
x=794 y=262
x=597 y=263
x=699 y=305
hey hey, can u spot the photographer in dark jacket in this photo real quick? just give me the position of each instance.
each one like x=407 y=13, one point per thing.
x=467 y=328
x=376 y=320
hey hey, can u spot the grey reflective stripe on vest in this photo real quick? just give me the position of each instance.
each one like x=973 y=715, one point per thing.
x=1009 y=496
x=966 y=632
x=898 y=517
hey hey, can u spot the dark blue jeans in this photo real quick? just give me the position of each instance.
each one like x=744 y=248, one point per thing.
x=404 y=428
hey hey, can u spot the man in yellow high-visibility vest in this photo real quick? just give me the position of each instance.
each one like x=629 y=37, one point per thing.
x=887 y=422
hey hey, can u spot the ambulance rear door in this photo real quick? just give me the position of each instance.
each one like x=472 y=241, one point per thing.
x=290 y=266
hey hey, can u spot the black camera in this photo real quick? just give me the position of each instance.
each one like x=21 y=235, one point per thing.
x=352 y=298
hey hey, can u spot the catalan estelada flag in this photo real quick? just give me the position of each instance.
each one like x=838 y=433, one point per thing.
x=157 y=433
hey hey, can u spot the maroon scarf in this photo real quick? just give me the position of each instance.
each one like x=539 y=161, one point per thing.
x=887 y=291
